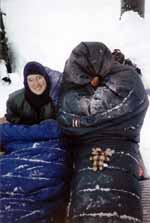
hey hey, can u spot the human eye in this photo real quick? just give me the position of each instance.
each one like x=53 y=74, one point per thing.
x=30 y=79
x=39 y=77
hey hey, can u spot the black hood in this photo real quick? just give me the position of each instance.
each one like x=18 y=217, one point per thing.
x=87 y=60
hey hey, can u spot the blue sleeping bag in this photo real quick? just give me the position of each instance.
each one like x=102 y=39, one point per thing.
x=33 y=173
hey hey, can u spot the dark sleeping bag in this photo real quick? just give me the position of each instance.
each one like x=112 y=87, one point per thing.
x=103 y=125
x=33 y=173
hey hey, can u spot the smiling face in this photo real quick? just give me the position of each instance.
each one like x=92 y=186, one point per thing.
x=37 y=83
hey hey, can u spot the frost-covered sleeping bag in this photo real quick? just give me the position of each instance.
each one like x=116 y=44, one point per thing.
x=33 y=173
x=104 y=126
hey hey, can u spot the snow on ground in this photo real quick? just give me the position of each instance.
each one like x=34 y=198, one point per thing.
x=48 y=30
x=6 y=89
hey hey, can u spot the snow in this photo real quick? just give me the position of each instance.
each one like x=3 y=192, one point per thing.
x=107 y=190
x=108 y=215
x=47 y=31
x=3 y=70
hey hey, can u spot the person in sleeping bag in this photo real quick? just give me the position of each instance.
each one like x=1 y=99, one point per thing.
x=102 y=109
x=34 y=168
x=38 y=100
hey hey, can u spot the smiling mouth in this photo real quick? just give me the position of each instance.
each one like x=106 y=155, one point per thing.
x=38 y=89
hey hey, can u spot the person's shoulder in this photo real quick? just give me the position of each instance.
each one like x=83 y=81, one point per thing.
x=16 y=98
x=124 y=70
x=125 y=77
x=17 y=94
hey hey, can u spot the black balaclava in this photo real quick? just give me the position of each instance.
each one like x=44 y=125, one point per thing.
x=36 y=101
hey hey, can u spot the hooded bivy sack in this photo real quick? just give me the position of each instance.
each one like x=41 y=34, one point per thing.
x=34 y=173
x=103 y=125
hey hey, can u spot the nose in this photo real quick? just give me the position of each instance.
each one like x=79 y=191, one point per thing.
x=36 y=84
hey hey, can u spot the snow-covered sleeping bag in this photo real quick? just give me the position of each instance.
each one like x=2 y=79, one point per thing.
x=33 y=173
x=104 y=126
